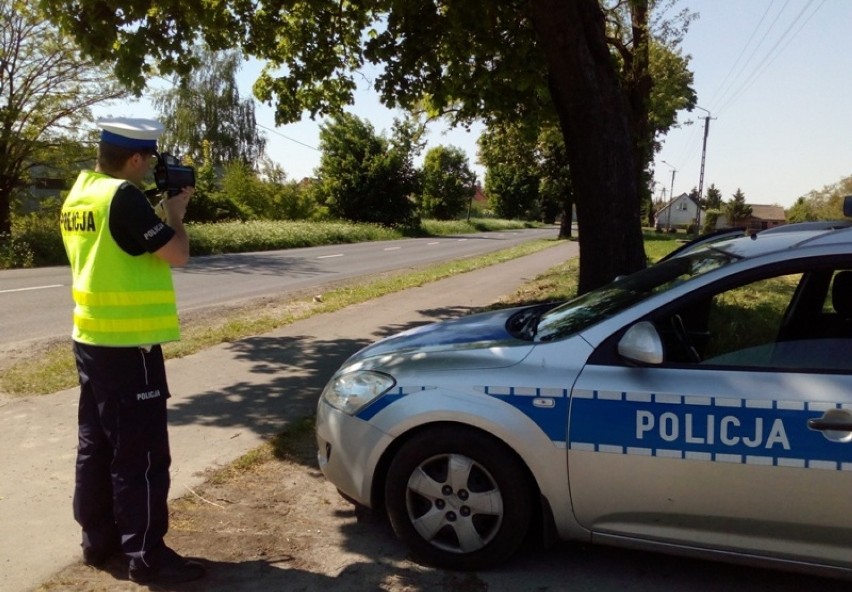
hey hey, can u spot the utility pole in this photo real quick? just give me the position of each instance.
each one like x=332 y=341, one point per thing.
x=707 y=119
x=671 y=194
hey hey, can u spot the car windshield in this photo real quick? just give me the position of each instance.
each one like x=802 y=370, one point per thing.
x=598 y=305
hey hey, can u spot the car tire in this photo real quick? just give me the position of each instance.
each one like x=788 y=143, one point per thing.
x=459 y=498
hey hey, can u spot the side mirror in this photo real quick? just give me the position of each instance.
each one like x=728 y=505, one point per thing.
x=847 y=205
x=641 y=343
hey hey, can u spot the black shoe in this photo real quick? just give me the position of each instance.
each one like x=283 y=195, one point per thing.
x=164 y=566
x=98 y=557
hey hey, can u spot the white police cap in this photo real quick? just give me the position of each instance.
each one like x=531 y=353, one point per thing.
x=128 y=132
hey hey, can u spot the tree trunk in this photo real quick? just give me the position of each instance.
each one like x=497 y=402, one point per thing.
x=5 y=206
x=638 y=85
x=567 y=220
x=594 y=117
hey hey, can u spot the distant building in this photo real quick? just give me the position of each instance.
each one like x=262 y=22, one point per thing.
x=680 y=212
x=762 y=217
x=479 y=195
x=44 y=183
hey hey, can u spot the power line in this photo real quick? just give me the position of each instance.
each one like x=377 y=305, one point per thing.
x=261 y=126
x=730 y=89
x=727 y=78
x=772 y=55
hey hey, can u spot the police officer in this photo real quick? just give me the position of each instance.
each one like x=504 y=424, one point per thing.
x=121 y=255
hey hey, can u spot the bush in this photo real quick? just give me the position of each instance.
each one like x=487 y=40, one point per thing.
x=242 y=237
x=14 y=252
x=35 y=241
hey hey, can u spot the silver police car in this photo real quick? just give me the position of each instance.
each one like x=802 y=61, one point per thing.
x=702 y=406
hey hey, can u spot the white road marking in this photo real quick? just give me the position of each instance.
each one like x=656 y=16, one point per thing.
x=330 y=256
x=33 y=288
x=392 y=248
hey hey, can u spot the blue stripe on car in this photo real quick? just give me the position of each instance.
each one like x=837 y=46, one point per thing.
x=760 y=432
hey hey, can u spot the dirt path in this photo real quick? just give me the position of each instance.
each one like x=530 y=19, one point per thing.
x=279 y=525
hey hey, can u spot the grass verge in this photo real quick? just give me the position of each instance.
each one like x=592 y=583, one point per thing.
x=52 y=368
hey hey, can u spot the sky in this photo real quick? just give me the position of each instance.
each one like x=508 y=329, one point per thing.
x=774 y=75
x=776 y=78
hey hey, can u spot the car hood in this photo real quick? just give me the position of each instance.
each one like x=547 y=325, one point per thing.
x=475 y=341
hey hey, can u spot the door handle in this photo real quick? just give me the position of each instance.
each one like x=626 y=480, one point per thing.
x=829 y=424
x=836 y=420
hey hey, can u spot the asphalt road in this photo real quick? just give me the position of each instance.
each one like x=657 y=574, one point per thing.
x=35 y=304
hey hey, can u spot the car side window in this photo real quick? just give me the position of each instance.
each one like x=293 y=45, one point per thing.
x=795 y=322
x=748 y=317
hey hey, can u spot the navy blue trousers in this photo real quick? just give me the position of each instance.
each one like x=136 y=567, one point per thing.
x=122 y=475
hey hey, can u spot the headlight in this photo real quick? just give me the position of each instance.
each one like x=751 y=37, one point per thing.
x=350 y=392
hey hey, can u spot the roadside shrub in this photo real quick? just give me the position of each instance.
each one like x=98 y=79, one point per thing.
x=709 y=222
x=259 y=235
x=241 y=185
x=14 y=253
x=293 y=202
x=35 y=240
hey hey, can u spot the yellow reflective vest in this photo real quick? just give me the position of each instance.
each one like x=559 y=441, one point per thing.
x=121 y=299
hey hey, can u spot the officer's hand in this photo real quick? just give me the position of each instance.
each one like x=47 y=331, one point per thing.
x=176 y=206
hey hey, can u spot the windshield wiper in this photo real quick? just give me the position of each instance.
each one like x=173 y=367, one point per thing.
x=724 y=252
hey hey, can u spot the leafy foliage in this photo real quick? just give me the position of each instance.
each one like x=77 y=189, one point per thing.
x=448 y=183
x=35 y=240
x=528 y=173
x=513 y=177
x=802 y=211
x=362 y=176
x=242 y=186
x=48 y=89
x=737 y=210
x=823 y=204
x=240 y=237
x=206 y=107
x=557 y=196
x=712 y=205
x=713 y=200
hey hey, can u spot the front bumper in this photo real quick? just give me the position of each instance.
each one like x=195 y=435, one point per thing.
x=348 y=450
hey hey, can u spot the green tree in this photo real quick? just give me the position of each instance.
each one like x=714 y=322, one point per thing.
x=209 y=204
x=737 y=210
x=557 y=198
x=362 y=177
x=206 y=107
x=512 y=175
x=240 y=185
x=527 y=172
x=713 y=200
x=801 y=211
x=290 y=201
x=712 y=205
x=471 y=58
x=448 y=184
x=47 y=90
x=823 y=204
